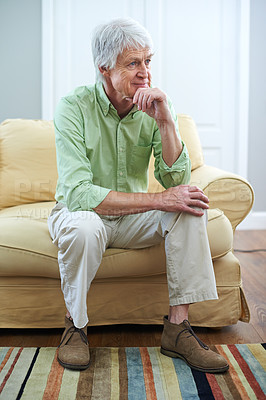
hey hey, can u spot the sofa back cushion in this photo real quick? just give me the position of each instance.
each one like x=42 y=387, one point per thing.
x=189 y=134
x=28 y=171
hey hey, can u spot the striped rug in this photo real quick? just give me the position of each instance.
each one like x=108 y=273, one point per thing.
x=130 y=373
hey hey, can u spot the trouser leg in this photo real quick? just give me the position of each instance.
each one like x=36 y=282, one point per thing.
x=81 y=238
x=189 y=266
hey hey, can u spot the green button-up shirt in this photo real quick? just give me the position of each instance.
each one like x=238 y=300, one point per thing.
x=97 y=151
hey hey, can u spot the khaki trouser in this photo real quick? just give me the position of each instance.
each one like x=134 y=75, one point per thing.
x=83 y=236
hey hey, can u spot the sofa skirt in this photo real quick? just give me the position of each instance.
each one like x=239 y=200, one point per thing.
x=35 y=302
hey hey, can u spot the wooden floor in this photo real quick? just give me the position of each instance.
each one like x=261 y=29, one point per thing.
x=253 y=266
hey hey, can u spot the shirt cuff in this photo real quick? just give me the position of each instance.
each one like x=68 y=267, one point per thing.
x=179 y=165
x=93 y=197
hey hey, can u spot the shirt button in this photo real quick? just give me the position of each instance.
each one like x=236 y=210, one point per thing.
x=120 y=149
x=121 y=174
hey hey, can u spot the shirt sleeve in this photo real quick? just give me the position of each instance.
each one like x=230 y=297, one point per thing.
x=75 y=185
x=179 y=173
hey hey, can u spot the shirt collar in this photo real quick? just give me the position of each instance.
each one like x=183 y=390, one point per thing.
x=102 y=98
x=105 y=103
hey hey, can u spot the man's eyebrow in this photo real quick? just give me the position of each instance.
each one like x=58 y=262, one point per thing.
x=131 y=58
x=150 y=55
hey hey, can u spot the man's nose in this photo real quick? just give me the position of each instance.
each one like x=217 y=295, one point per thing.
x=143 y=70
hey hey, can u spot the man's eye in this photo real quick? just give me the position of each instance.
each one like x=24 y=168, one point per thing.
x=133 y=64
x=148 y=61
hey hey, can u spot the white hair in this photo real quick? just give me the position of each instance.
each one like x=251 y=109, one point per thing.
x=110 y=39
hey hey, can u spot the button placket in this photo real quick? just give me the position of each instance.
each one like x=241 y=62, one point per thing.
x=120 y=159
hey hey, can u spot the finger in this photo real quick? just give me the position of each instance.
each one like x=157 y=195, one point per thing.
x=144 y=102
x=137 y=99
x=129 y=99
x=198 y=203
x=149 y=101
x=194 y=189
x=199 y=196
x=136 y=96
x=197 y=212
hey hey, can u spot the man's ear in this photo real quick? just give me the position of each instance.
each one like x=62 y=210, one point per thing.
x=104 y=71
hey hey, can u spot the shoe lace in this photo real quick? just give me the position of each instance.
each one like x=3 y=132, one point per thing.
x=72 y=330
x=192 y=333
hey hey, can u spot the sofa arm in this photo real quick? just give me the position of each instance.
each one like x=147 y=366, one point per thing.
x=227 y=191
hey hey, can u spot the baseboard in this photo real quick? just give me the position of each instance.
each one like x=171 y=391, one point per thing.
x=255 y=220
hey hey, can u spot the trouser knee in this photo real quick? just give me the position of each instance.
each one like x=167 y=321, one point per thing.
x=84 y=234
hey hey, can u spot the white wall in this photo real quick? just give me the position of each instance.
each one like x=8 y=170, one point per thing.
x=257 y=116
x=20 y=54
x=257 y=103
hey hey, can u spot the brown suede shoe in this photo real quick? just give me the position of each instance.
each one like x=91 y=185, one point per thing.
x=179 y=341
x=73 y=350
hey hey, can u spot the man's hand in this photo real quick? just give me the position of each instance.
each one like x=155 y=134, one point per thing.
x=184 y=198
x=153 y=102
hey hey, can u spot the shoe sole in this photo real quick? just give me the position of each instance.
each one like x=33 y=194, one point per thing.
x=173 y=354
x=73 y=366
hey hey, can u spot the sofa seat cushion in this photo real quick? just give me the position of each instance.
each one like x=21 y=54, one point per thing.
x=220 y=233
x=24 y=235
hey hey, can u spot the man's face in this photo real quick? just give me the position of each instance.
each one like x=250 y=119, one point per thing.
x=132 y=71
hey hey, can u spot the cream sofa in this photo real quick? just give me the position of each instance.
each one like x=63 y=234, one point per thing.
x=130 y=286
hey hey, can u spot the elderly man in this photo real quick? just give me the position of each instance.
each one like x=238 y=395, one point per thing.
x=105 y=134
